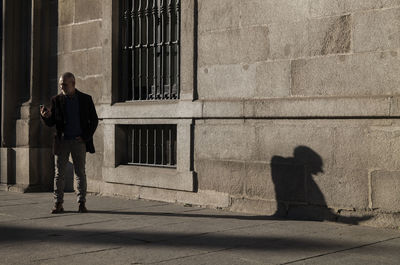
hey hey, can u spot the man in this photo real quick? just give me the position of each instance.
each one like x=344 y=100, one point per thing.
x=74 y=115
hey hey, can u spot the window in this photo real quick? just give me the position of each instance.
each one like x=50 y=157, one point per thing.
x=150 y=145
x=149 y=47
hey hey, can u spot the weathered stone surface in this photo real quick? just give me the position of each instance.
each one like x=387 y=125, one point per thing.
x=281 y=139
x=258 y=181
x=224 y=142
x=95 y=62
x=221 y=176
x=227 y=81
x=222 y=14
x=94 y=162
x=244 y=45
x=75 y=62
x=87 y=10
x=385 y=187
x=187 y=49
x=66 y=12
x=22 y=132
x=91 y=85
x=261 y=207
x=330 y=35
x=339 y=187
x=330 y=8
x=350 y=75
x=167 y=178
x=204 y=198
x=222 y=109
x=86 y=35
x=261 y=12
x=320 y=107
x=64 y=39
x=367 y=146
x=272 y=79
x=289 y=40
x=377 y=30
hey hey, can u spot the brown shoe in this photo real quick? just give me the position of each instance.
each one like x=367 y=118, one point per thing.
x=82 y=208
x=58 y=208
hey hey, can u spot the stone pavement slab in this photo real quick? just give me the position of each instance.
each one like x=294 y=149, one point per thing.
x=120 y=231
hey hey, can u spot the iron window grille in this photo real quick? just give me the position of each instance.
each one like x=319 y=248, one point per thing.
x=150 y=47
x=152 y=145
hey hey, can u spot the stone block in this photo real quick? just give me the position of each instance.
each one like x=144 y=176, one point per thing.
x=282 y=138
x=244 y=45
x=339 y=188
x=184 y=146
x=94 y=166
x=321 y=8
x=204 y=198
x=377 y=30
x=109 y=146
x=157 y=194
x=95 y=61
x=330 y=35
x=86 y=35
x=385 y=187
x=232 y=109
x=221 y=176
x=262 y=12
x=289 y=40
x=367 y=146
x=114 y=189
x=215 y=15
x=259 y=207
x=92 y=85
x=88 y=10
x=310 y=37
x=258 y=181
x=98 y=138
x=7 y=166
x=224 y=142
x=22 y=166
x=22 y=132
x=320 y=107
x=187 y=48
x=347 y=75
x=272 y=79
x=66 y=12
x=64 y=39
x=95 y=161
x=75 y=62
x=227 y=81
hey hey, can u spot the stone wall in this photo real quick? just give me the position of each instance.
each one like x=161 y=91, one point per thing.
x=319 y=77
x=80 y=49
x=294 y=104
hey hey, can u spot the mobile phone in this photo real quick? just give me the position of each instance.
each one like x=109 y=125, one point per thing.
x=44 y=107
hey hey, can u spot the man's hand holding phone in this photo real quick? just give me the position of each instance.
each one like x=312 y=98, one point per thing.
x=45 y=112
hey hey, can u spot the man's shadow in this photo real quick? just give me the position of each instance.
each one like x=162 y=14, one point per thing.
x=297 y=194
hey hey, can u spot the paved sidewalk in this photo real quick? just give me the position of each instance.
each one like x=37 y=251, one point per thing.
x=118 y=231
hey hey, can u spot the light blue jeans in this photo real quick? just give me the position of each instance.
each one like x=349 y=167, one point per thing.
x=77 y=149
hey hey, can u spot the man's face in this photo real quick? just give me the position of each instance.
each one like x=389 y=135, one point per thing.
x=67 y=86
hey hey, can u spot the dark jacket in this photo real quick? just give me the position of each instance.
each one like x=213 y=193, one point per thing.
x=88 y=119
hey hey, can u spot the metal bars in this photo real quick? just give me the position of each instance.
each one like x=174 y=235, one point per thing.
x=150 y=47
x=152 y=145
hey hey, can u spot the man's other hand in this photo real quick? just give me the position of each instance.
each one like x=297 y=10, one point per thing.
x=45 y=112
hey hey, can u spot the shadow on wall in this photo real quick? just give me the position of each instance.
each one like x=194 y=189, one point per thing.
x=297 y=194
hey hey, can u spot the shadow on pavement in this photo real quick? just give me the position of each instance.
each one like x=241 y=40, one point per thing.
x=12 y=234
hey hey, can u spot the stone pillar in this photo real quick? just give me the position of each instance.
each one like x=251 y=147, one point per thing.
x=26 y=156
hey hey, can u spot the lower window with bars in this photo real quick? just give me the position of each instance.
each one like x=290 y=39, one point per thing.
x=151 y=145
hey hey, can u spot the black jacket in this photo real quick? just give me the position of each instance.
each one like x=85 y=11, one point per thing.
x=88 y=118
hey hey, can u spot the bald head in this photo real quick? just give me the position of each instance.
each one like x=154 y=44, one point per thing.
x=67 y=83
